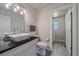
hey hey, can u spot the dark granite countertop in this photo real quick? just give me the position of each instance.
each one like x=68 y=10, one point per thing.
x=16 y=44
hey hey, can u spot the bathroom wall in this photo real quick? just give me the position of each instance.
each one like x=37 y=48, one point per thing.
x=30 y=18
x=60 y=32
x=44 y=19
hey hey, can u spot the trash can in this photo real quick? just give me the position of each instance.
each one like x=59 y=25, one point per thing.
x=41 y=52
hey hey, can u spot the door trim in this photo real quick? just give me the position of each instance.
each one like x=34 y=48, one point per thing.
x=74 y=26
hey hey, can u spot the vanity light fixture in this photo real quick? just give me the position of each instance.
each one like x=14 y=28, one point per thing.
x=21 y=12
x=24 y=11
x=17 y=7
x=15 y=10
x=7 y=5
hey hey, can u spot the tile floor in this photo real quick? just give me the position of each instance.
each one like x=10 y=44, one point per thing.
x=59 y=49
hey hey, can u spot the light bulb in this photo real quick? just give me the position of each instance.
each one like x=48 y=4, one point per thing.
x=21 y=12
x=15 y=10
x=55 y=14
x=17 y=7
x=24 y=11
x=7 y=5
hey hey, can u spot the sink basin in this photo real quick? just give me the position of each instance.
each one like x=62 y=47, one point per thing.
x=19 y=37
x=42 y=45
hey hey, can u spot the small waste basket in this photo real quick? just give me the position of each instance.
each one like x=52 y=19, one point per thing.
x=41 y=51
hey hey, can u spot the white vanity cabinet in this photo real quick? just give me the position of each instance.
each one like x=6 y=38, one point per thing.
x=27 y=49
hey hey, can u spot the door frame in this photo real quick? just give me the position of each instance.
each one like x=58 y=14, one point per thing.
x=74 y=27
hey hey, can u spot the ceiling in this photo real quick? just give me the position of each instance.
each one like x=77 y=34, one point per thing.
x=60 y=13
x=38 y=6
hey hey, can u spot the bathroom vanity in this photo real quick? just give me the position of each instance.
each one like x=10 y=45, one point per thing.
x=21 y=45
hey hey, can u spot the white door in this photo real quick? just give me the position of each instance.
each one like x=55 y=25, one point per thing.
x=68 y=30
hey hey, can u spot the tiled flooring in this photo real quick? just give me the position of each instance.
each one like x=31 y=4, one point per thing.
x=59 y=50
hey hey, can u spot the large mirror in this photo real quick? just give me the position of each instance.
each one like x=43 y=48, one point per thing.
x=11 y=22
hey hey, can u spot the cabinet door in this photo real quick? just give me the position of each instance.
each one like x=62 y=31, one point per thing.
x=27 y=49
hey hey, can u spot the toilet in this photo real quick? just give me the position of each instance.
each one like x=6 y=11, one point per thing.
x=42 y=46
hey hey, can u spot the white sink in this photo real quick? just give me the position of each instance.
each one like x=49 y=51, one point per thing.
x=19 y=37
x=42 y=45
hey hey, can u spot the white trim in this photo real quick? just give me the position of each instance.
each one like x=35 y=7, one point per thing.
x=75 y=30
x=78 y=30
x=73 y=6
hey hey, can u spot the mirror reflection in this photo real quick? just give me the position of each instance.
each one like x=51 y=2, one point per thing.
x=11 y=22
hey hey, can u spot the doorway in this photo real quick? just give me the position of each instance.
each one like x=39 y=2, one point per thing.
x=62 y=28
